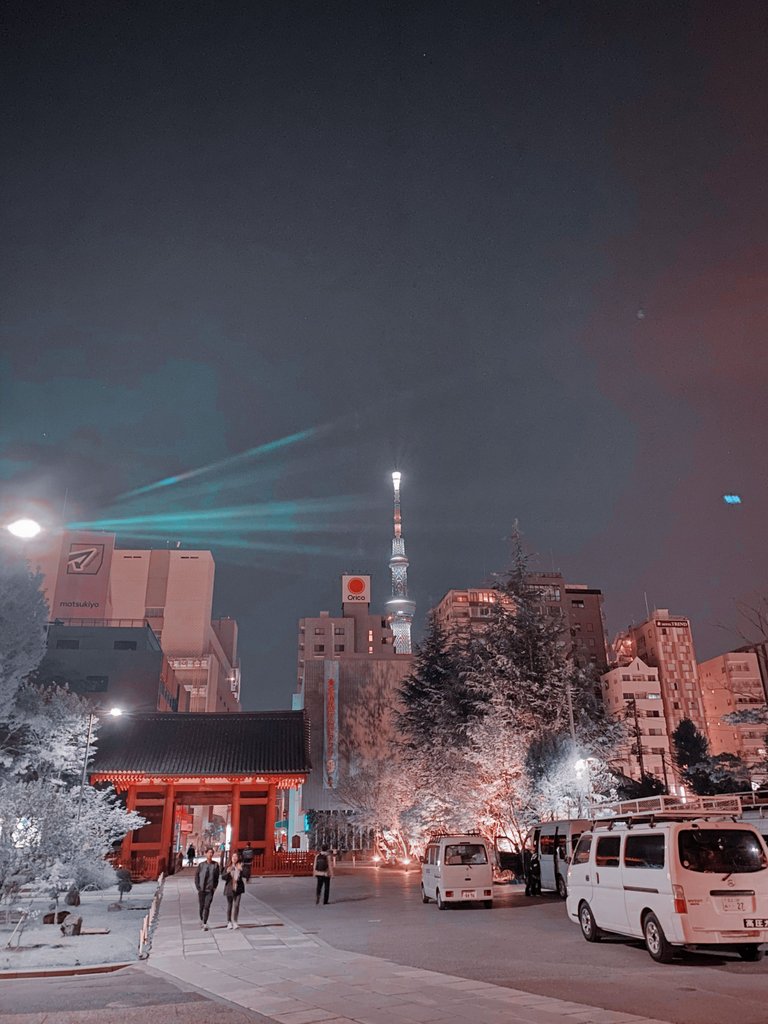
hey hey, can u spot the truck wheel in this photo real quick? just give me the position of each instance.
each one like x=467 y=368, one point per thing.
x=589 y=928
x=751 y=953
x=656 y=941
x=424 y=897
x=562 y=888
x=439 y=900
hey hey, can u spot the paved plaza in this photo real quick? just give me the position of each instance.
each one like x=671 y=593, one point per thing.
x=279 y=970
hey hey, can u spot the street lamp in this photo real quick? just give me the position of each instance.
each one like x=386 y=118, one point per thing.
x=92 y=716
x=24 y=529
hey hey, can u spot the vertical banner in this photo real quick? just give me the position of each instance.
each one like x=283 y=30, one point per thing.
x=331 y=725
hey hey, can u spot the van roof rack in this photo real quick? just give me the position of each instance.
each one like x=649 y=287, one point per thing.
x=665 y=808
x=442 y=833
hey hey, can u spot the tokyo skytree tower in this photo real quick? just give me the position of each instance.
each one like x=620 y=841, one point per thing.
x=400 y=608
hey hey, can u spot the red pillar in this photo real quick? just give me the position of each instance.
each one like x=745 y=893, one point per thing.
x=269 y=832
x=235 y=822
x=127 y=844
x=166 y=832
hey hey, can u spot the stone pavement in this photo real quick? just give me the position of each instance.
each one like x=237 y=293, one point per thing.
x=273 y=967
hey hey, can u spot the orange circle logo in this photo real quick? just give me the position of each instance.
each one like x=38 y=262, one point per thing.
x=356 y=585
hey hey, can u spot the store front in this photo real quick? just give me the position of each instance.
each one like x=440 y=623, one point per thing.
x=214 y=780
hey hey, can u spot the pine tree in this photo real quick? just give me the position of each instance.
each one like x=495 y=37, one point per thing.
x=435 y=704
x=705 y=774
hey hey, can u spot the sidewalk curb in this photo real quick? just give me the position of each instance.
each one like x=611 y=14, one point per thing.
x=66 y=972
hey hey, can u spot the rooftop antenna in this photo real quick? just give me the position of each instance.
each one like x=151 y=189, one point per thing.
x=647 y=609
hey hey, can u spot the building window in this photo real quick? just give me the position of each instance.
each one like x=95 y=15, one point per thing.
x=154 y=613
x=67 y=645
x=590 y=628
x=95 y=684
x=338 y=631
x=338 y=648
x=318 y=648
x=577 y=604
x=370 y=650
x=370 y=636
x=124 y=645
x=319 y=631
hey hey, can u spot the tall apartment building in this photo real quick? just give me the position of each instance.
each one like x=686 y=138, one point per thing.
x=578 y=606
x=666 y=643
x=633 y=692
x=88 y=581
x=731 y=682
x=464 y=609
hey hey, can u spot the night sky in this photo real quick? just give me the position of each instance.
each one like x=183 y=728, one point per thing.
x=518 y=251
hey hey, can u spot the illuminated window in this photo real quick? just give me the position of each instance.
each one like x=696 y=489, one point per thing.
x=370 y=636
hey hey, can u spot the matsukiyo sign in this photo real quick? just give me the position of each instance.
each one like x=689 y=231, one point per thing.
x=355 y=589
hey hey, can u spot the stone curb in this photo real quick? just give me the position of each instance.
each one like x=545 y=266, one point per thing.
x=66 y=972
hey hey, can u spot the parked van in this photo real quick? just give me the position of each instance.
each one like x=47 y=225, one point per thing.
x=680 y=882
x=457 y=869
x=554 y=842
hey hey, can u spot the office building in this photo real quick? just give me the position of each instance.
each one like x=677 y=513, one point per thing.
x=666 y=643
x=88 y=580
x=577 y=606
x=632 y=692
x=731 y=682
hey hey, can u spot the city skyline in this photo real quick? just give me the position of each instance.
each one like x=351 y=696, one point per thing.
x=255 y=258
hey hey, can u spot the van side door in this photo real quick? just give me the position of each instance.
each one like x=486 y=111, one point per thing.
x=547 y=858
x=608 y=884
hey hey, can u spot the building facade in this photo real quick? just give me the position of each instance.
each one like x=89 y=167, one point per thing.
x=731 y=682
x=580 y=608
x=666 y=643
x=349 y=675
x=632 y=692
x=117 y=665
x=87 y=579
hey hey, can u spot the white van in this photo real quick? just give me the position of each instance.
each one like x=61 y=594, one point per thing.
x=554 y=842
x=687 y=882
x=457 y=869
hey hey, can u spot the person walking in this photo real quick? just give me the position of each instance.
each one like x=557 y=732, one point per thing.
x=206 y=881
x=323 y=872
x=234 y=887
x=191 y=855
x=248 y=854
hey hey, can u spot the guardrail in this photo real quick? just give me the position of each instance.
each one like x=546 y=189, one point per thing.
x=148 y=924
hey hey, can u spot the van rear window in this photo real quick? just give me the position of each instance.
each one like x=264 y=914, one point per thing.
x=726 y=851
x=465 y=853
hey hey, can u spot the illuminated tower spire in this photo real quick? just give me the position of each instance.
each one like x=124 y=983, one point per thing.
x=400 y=608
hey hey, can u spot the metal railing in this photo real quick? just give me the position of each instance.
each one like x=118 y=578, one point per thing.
x=148 y=923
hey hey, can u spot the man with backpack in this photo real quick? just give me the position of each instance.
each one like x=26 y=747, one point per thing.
x=323 y=872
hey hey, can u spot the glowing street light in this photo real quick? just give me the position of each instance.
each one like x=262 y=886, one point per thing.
x=92 y=716
x=25 y=529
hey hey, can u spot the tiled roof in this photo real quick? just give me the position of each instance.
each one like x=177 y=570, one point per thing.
x=248 y=743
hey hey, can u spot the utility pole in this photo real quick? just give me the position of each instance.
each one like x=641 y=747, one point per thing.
x=638 y=739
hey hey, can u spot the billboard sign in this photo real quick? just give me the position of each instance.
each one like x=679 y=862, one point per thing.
x=355 y=589
x=82 y=584
x=673 y=623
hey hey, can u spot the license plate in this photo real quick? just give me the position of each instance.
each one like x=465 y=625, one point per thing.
x=467 y=894
x=733 y=904
x=756 y=922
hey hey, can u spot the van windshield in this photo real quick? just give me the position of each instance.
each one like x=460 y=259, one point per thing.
x=466 y=853
x=730 y=851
